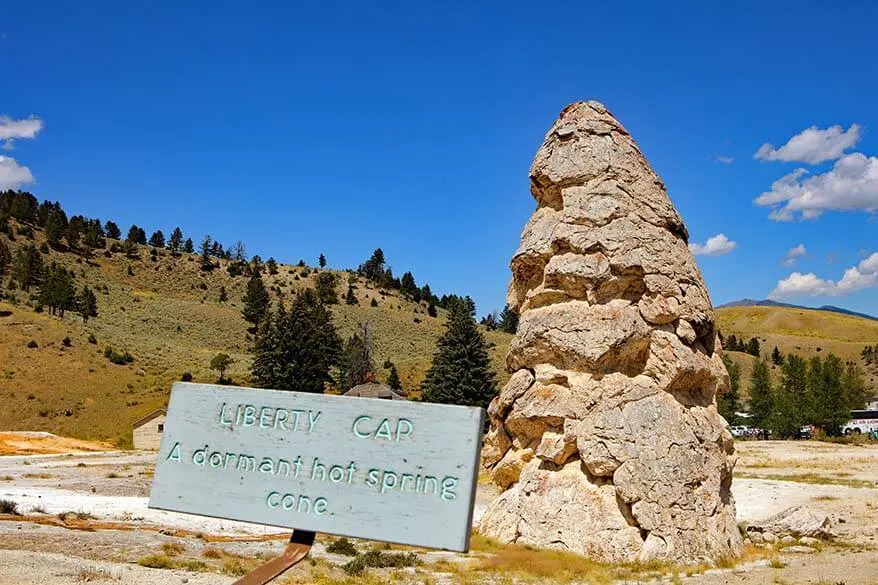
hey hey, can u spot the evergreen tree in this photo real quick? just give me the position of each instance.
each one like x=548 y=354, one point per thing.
x=206 y=263
x=112 y=230
x=256 y=300
x=296 y=349
x=223 y=296
x=373 y=268
x=408 y=286
x=351 y=298
x=461 y=369
x=157 y=240
x=58 y=291
x=27 y=266
x=189 y=247
x=489 y=321
x=176 y=241
x=791 y=409
x=93 y=238
x=727 y=403
x=75 y=230
x=732 y=343
x=87 y=304
x=393 y=378
x=776 y=356
x=854 y=384
x=238 y=252
x=5 y=258
x=753 y=347
x=355 y=366
x=431 y=309
x=271 y=265
x=136 y=235
x=324 y=285
x=321 y=261
x=761 y=393
x=829 y=403
x=56 y=225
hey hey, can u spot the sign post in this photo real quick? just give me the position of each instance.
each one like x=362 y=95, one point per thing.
x=394 y=471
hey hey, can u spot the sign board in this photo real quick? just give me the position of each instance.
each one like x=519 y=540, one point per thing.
x=395 y=471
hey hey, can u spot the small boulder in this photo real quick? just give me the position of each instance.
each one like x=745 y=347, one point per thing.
x=788 y=540
x=769 y=537
x=797 y=521
x=809 y=541
x=798 y=549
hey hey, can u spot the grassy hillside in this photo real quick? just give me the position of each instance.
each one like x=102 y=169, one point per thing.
x=166 y=312
x=806 y=332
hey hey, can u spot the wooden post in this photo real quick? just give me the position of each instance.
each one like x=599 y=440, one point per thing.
x=296 y=550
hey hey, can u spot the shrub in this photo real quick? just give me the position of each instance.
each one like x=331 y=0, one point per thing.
x=32 y=344
x=380 y=560
x=186 y=377
x=157 y=562
x=374 y=303
x=234 y=567
x=66 y=341
x=172 y=549
x=8 y=507
x=92 y=339
x=120 y=359
x=212 y=553
x=342 y=546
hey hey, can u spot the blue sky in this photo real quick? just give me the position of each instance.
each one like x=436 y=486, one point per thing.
x=302 y=128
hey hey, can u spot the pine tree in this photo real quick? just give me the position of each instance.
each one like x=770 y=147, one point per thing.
x=461 y=369
x=112 y=230
x=408 y=286
x=393 y=378
x=508 y=321
x=239 y=252
x=753 y=347
x=761 y=393
x=55 y=227
x=189 y=247
x=57 y=290
x=830 y=406
x=256 y=300
x=223 y=296
x=351 y=298
x=296 y=349
x=136 y=235
x=356 y=365
x=5 y=258
x=27 y=266
x=157 y=240
x=87 y=304
x=776 y=356
x=373 y=268
x=321 y=261
x=176 y=241
x=206 y=263
x=271 y=265
x=324 y=285
x=791 y=408
x=727 y=403
x=431 y=309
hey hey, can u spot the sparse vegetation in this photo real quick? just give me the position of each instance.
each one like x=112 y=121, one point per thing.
x=8 y=506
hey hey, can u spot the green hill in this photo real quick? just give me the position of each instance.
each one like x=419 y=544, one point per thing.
x=165 y=311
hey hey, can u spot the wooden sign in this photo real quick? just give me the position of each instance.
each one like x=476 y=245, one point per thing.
x=395 y=471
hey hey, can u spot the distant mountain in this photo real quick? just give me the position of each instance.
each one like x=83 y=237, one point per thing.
x=770 y=303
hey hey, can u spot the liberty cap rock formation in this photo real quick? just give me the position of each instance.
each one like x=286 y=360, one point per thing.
x=606 y=440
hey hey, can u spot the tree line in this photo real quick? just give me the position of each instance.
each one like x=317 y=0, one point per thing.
x=820 y=392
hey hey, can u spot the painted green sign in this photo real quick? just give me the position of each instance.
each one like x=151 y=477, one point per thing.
x=395 y=471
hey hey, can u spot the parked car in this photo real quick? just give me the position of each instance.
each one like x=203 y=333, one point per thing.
x=740 y=431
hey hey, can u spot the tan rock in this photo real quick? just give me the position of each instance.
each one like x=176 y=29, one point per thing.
x=607 y=439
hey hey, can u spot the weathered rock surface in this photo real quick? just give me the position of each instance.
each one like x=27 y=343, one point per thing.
x=606 y=439
x=795 y=521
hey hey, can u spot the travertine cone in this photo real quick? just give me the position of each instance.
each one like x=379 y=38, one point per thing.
x=606 y=439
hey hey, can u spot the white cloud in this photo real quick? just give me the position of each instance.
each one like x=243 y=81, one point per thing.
x=714 y=246
x=12 y=174
x=26 y=128
x=793 y=255
x=812 y=145
x=725 y=159
x=863 y=275
x=851 y=185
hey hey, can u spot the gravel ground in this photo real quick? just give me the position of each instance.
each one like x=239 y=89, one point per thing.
x=114 y=487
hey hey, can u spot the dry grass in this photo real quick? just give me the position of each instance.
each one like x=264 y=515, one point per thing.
x=173 y=549
x=810 y=478
x=168 y=316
